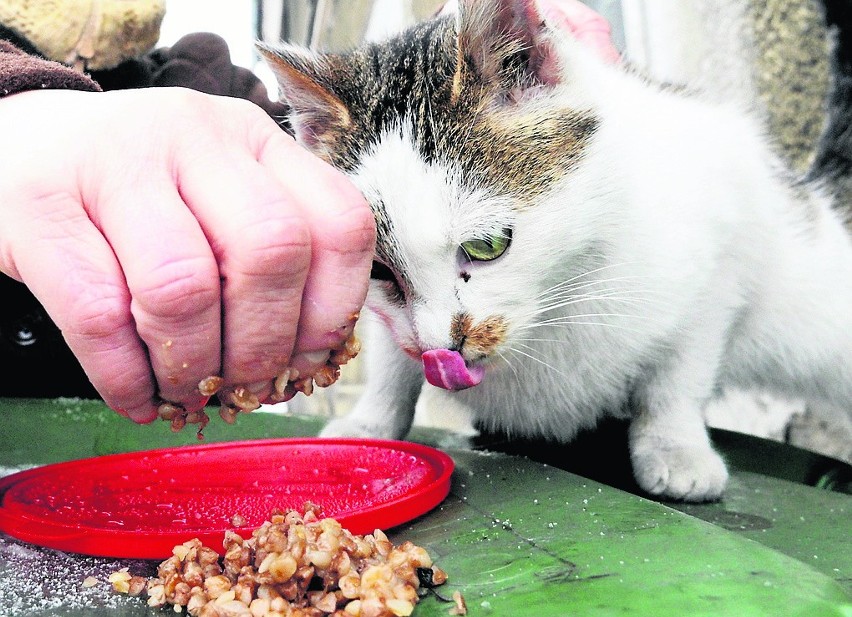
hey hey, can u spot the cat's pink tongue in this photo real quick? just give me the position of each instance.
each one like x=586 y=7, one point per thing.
x=446 y=369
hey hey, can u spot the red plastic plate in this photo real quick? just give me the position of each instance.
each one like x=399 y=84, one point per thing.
x=141 y=504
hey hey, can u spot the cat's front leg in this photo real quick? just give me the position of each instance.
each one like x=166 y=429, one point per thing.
x=385 y=410
x=672 y=456
x=670 y=447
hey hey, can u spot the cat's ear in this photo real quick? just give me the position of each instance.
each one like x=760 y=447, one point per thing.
x=507 y=44
x=317 y=115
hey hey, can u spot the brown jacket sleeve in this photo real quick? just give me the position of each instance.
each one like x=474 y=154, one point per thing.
x=20 y=72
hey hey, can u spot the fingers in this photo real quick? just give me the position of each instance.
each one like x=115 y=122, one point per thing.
x=199 y=240
x=172 y=278
x=587 y=26
x=262 y=242
x=584 y=23
x=342 y=230
x=71 y=269
x=214 y=252
x=293 y=243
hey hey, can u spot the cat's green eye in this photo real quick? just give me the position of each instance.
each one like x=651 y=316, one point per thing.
x=489 y=248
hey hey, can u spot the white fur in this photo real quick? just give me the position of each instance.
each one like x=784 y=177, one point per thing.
x=692 y=265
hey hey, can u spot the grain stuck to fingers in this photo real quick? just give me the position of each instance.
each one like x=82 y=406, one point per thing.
x=210 y=385
x=291 y=382
x=294 y=564
x=350 y=349
x=239 y=399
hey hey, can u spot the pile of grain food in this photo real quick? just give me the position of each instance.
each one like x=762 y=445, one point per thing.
x=294 y=565
x=238 y=399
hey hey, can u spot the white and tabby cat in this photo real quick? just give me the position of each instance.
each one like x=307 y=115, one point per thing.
x=560 y=240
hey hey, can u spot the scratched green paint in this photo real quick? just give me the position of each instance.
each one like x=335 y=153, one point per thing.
x=562 y=545
x=520 y=538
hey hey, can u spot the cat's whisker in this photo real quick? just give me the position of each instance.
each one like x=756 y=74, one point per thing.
x=603 y=294
x=535 y=359
x=562 y=296
x=583 y=319
x=574 y=286
x=618 y=301
x=601 y=324
x=560 y=341
x=579 y=278
x=605 y=297
x=281 y=120
x=585 y=315
x=566 y=322
x=564 y=288
x=611 y=296
x=581 y=283
x=511 y=366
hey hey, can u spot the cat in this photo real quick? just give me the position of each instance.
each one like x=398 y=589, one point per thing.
x=560 y=240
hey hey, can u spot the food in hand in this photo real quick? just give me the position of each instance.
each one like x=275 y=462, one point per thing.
x=239 y=399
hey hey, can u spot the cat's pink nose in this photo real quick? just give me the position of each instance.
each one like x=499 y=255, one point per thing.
x=446 y=369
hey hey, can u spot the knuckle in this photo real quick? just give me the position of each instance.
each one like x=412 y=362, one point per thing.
x=175 y=106
x=259 y=126
x=178 y=289
x=127 y=385
x=351 y=231
x=97 y=313
x=188 y=98
x=244 y=120
x=280 y=246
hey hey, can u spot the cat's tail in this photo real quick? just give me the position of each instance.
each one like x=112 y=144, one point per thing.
x=832 y=162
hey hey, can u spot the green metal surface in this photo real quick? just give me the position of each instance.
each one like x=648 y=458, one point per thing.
x=517 y=537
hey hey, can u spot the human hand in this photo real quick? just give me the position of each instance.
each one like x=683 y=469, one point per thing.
x=585 y=24
x=173 y=235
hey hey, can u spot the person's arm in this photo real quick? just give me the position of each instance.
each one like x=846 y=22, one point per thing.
x=20 y=72
x=173 y=235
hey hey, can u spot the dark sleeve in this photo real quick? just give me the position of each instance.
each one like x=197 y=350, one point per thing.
x=20 y=72
x=202 y=61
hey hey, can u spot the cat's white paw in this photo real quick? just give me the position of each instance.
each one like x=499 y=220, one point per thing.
x=349 y=426
x=677 y=470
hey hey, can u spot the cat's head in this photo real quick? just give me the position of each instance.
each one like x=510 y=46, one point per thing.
x=459 y=135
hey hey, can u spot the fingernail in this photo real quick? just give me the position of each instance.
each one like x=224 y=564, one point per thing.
x=258 y=386
x=308 y=362
x=330 y=339
x=261 y=389
x=142 y=416
x=314 y=357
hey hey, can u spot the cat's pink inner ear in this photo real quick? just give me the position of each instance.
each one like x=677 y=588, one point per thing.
x=488 y=32
x=447 y=369
x=317 y=115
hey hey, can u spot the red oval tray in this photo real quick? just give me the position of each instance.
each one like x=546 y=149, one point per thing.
x=141 y=504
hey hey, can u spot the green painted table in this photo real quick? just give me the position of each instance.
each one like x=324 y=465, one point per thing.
x=518 y=535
